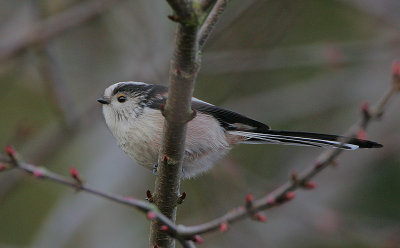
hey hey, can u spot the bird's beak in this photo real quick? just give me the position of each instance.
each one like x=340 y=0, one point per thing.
x=103 y=100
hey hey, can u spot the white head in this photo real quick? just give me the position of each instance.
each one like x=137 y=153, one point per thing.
x=125 y=101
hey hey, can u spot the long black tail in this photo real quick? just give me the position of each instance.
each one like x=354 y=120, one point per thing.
x=304 y=139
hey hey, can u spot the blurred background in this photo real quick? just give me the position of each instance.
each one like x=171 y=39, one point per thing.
x=296 y=65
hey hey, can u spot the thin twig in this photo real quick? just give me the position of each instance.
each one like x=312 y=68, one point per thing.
x=186 y=234
x=12 y=162
x=285 y=192
x=45 y=30
x=177 y=112
x=44 y=174
x=211 y=21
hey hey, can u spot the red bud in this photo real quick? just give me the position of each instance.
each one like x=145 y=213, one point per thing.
x=223 y=227
x=10 y=151
x=364 y=107
x=148 y=194
x=73 y=172
x=164 y=228
x=151 y=215
x=249 y=198
x=38 y=173
x=310 y=185
x=271 y=200
x=289 y=195
x=396 y=68
x=181 y=198
x=165 y=159
x=197 y=239
x=260 y=217
x=75 y=175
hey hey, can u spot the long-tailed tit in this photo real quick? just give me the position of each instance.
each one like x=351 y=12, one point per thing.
x=132 y=112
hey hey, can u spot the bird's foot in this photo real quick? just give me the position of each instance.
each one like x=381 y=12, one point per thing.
x=155 y=169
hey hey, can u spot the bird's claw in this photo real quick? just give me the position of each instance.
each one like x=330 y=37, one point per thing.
x=155 y=169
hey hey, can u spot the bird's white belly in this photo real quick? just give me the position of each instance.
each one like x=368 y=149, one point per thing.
x=205 y=141
x=142 y=143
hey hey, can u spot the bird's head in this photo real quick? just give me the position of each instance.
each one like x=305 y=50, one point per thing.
x=126 y=101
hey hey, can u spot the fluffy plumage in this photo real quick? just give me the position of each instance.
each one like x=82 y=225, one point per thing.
x=132 y=112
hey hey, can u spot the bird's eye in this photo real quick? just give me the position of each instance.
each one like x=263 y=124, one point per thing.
x=121 y=99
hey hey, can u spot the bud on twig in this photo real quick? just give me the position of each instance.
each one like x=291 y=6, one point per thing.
x=75 y=175
x=309 y=185
x=181 y=198
x=223 y=227
x=197 y=239
x=396 y=75
x=149 y=196
x=289 y=195
x=173 y=18
x=249 y=201
x=151 y=215
x=260 y=217
x=365 y=110
x=165 y=159
x=38 y=173
x=10 y=151
x=271 y=200
x=164 y=228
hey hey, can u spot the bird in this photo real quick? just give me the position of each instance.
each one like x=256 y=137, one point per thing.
x=132 y=112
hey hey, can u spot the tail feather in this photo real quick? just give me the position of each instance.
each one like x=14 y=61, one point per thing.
x=304 y=139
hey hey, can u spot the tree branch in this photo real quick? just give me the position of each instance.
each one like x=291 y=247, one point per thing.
x=52 y=27
x=186 y=235
x=177 y=112
x=12 y=162
x=211 y=21
x=298 y=181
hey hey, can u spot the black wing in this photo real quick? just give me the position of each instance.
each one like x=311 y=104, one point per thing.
x=230 y=120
